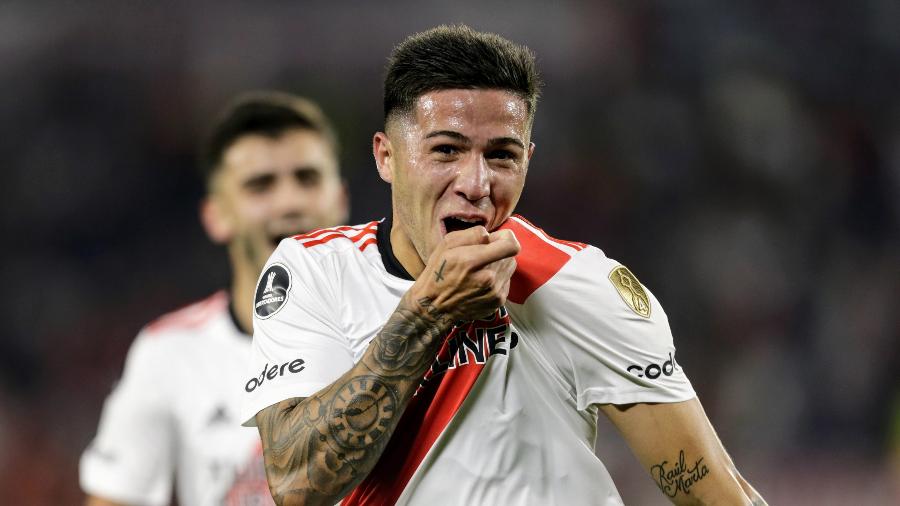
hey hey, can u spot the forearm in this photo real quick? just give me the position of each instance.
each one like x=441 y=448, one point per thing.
x=677 y=445
x=319 y=448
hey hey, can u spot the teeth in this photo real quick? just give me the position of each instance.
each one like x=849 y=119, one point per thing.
x=473 y=220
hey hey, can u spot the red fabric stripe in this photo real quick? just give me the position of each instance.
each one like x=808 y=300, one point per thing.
x=536 y=263
x=577 y=245
x=367 y=243
x=339 y=235
x=321 y=231
x=425 y=419
x=192 y=314
x=370 y=228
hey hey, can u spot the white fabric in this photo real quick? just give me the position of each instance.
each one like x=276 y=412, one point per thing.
x=174 y=415
x=525 y=433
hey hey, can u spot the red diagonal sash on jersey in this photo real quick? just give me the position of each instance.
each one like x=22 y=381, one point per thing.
x=427 y=415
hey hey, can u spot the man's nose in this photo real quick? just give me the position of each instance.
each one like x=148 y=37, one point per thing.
x=473 y=180
x=291 y=198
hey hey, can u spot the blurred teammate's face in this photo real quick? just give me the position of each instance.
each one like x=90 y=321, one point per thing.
x=270 y=188
x=459 y=159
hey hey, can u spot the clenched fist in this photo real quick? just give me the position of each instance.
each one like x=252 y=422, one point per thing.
x=467 y=276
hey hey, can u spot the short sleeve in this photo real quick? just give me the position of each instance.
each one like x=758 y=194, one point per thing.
x=131 y=460
x=298 y=346
x=615 y=345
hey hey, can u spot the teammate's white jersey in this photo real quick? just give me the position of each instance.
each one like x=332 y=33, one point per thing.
x=174 y=414
x=507 y=412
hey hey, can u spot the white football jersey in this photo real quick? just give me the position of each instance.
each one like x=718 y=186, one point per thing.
x=507 y=413
x=174 y=415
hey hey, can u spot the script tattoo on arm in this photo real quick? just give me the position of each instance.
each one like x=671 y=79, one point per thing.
x=317 y=449
x=678 y=477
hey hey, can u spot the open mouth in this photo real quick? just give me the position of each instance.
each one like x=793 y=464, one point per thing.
x=452 y=224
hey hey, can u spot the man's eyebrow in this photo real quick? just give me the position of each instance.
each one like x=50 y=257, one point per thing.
x=262 y=178
x=498 y=141
x=449 y=133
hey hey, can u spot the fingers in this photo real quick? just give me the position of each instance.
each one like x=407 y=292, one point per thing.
x=469 y=236
x=480 y=255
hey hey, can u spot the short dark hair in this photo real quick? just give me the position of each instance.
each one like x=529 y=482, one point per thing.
x=457 y=57
x=266 y=113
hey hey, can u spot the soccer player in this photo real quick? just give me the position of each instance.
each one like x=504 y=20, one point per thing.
x=456 y=353
x=271 y=170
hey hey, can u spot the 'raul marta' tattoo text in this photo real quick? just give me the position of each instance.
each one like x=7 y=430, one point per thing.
x=678 y=477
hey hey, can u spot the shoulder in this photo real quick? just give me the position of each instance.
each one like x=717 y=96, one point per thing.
x=178 y=331
x=541 y=258
x=564 y=269
x=188 y=319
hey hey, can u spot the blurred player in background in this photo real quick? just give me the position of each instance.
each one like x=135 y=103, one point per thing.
x=271 y=170
x=456 y=353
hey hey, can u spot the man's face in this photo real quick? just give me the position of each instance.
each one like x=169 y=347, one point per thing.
x=267 y=189
x=459 y=159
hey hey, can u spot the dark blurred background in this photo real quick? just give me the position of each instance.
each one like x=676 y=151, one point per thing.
x=742 y=157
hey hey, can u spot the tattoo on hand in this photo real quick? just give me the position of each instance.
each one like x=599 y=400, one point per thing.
x=678 y=477
x=439 y=275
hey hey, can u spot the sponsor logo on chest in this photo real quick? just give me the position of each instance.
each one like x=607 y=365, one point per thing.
x=474 y=342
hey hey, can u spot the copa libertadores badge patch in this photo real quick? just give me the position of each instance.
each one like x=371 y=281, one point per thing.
x=272 y=291
x=631 y=290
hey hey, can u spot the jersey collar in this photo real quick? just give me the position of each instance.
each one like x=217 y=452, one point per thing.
x=383 y=239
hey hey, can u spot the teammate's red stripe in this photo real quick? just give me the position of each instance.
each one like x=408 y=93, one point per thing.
x=536 y=263
x=191 y=314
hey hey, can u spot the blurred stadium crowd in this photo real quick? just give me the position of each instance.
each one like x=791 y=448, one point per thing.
x=741 y=157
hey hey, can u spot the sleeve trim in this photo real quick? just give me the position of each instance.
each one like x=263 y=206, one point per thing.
x=608 y=395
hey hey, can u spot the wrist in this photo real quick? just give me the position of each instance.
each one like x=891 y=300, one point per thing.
x=425 y=309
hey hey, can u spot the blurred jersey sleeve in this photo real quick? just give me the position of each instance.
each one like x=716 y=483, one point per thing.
x=298 y=345
x=131 y=460
x=619 y=347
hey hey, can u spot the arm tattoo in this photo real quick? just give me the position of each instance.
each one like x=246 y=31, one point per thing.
x=317 y=449
x=678 y=477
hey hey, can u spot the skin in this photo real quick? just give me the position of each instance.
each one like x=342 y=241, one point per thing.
x=459 y=153
x=658 y=434
x=265 y=189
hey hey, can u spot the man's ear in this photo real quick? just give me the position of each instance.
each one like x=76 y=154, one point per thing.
x=384 y=156
x=217 y=223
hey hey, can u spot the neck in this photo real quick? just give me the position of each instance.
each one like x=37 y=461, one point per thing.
x=242 y=291
x=405 y=252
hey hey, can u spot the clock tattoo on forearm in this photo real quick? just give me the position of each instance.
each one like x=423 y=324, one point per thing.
x=361 y=412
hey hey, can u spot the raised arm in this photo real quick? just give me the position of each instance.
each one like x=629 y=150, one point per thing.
x=318 y=448
x=676 y=443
